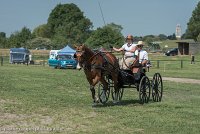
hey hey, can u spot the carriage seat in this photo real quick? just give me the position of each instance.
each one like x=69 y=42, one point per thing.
x=138 y=68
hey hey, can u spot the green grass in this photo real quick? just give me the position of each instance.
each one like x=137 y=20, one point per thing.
x=36 y=96
x=170 y=66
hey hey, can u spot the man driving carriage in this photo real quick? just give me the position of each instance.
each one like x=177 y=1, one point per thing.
x=129 y=47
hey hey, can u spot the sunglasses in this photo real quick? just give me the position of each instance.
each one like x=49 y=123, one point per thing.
x=140 y=45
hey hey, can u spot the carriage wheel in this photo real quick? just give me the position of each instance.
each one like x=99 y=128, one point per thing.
x=157 y=87
x=103 y=94
x=144 y=90
x=118 y=95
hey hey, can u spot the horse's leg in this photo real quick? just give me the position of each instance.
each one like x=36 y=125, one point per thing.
x=92 y=89
x=105 y=86
x=92 y=83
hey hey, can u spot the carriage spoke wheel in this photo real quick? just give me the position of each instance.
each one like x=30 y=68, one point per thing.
x=117 y=96
x=144 y=90
x=157 y=87
x=103 y=94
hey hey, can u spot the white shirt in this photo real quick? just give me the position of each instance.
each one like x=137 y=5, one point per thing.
x=128 y=48
x=143 y=55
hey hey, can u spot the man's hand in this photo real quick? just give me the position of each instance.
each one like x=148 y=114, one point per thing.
x=123 y=52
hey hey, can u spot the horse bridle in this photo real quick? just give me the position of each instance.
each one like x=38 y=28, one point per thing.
x=80 y=54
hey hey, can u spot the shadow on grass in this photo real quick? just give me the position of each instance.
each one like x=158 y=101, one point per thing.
x=121 y=103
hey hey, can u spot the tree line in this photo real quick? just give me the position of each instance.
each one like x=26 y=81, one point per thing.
x=67 y=25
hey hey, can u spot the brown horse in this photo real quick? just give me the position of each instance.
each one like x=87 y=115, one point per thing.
x=96 y=66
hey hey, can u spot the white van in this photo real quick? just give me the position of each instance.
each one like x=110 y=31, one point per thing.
x=53 y=54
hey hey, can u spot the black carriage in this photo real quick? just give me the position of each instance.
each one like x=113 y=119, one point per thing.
x=140 y=81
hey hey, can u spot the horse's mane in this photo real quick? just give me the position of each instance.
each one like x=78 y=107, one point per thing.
x=88 y=51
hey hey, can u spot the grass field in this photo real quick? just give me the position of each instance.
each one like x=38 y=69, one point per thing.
x=38 y=99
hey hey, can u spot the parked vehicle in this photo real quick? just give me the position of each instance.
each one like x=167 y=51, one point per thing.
x=172 y=52
x=53 y=54
x=63 y=61
x=19 y=55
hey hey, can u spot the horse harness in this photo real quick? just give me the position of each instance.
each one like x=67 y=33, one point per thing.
x=105 y=63
x=88 y=65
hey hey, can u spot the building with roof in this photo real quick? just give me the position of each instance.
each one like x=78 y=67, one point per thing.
x=188 y=47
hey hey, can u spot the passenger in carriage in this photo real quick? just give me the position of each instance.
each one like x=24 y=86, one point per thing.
x=142 y=57
x=129 y=47
x=142 y=54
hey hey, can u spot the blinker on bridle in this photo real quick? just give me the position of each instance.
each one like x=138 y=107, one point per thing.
x=79 y=53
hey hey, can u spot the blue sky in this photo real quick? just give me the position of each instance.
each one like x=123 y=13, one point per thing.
x=137 y=17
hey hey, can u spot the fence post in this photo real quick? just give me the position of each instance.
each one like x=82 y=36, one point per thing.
x=158 y=66
x=1 y=60
x=27 y=62
x=43 y=60
x=181 y=64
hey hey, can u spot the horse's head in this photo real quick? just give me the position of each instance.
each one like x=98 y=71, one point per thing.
x=80 y=55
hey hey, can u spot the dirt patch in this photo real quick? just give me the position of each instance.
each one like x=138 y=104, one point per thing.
x=182 y=80
x=7 y=101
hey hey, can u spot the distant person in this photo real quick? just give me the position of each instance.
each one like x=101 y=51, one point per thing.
x=192 y=59
x=129 y=47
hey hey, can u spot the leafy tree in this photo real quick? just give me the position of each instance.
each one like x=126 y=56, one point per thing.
x=193 y=26
x=3 y=34
x=162 y=36
x=40 y=42
x=150 y=38
x=25 y=34
x=42 y=31
x=198 y=38
x=67 y=22
x=183 y=36
x=19 y=39
x=137 y=38
x=3 y=40
x=104 y=36
x=115 y=27
x=14 y=41
x=172 y=37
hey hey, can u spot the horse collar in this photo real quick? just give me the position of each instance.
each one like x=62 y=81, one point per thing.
x=94 y=56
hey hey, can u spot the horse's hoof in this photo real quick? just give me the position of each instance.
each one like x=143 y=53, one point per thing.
x=94 y=104
x=97 y=101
